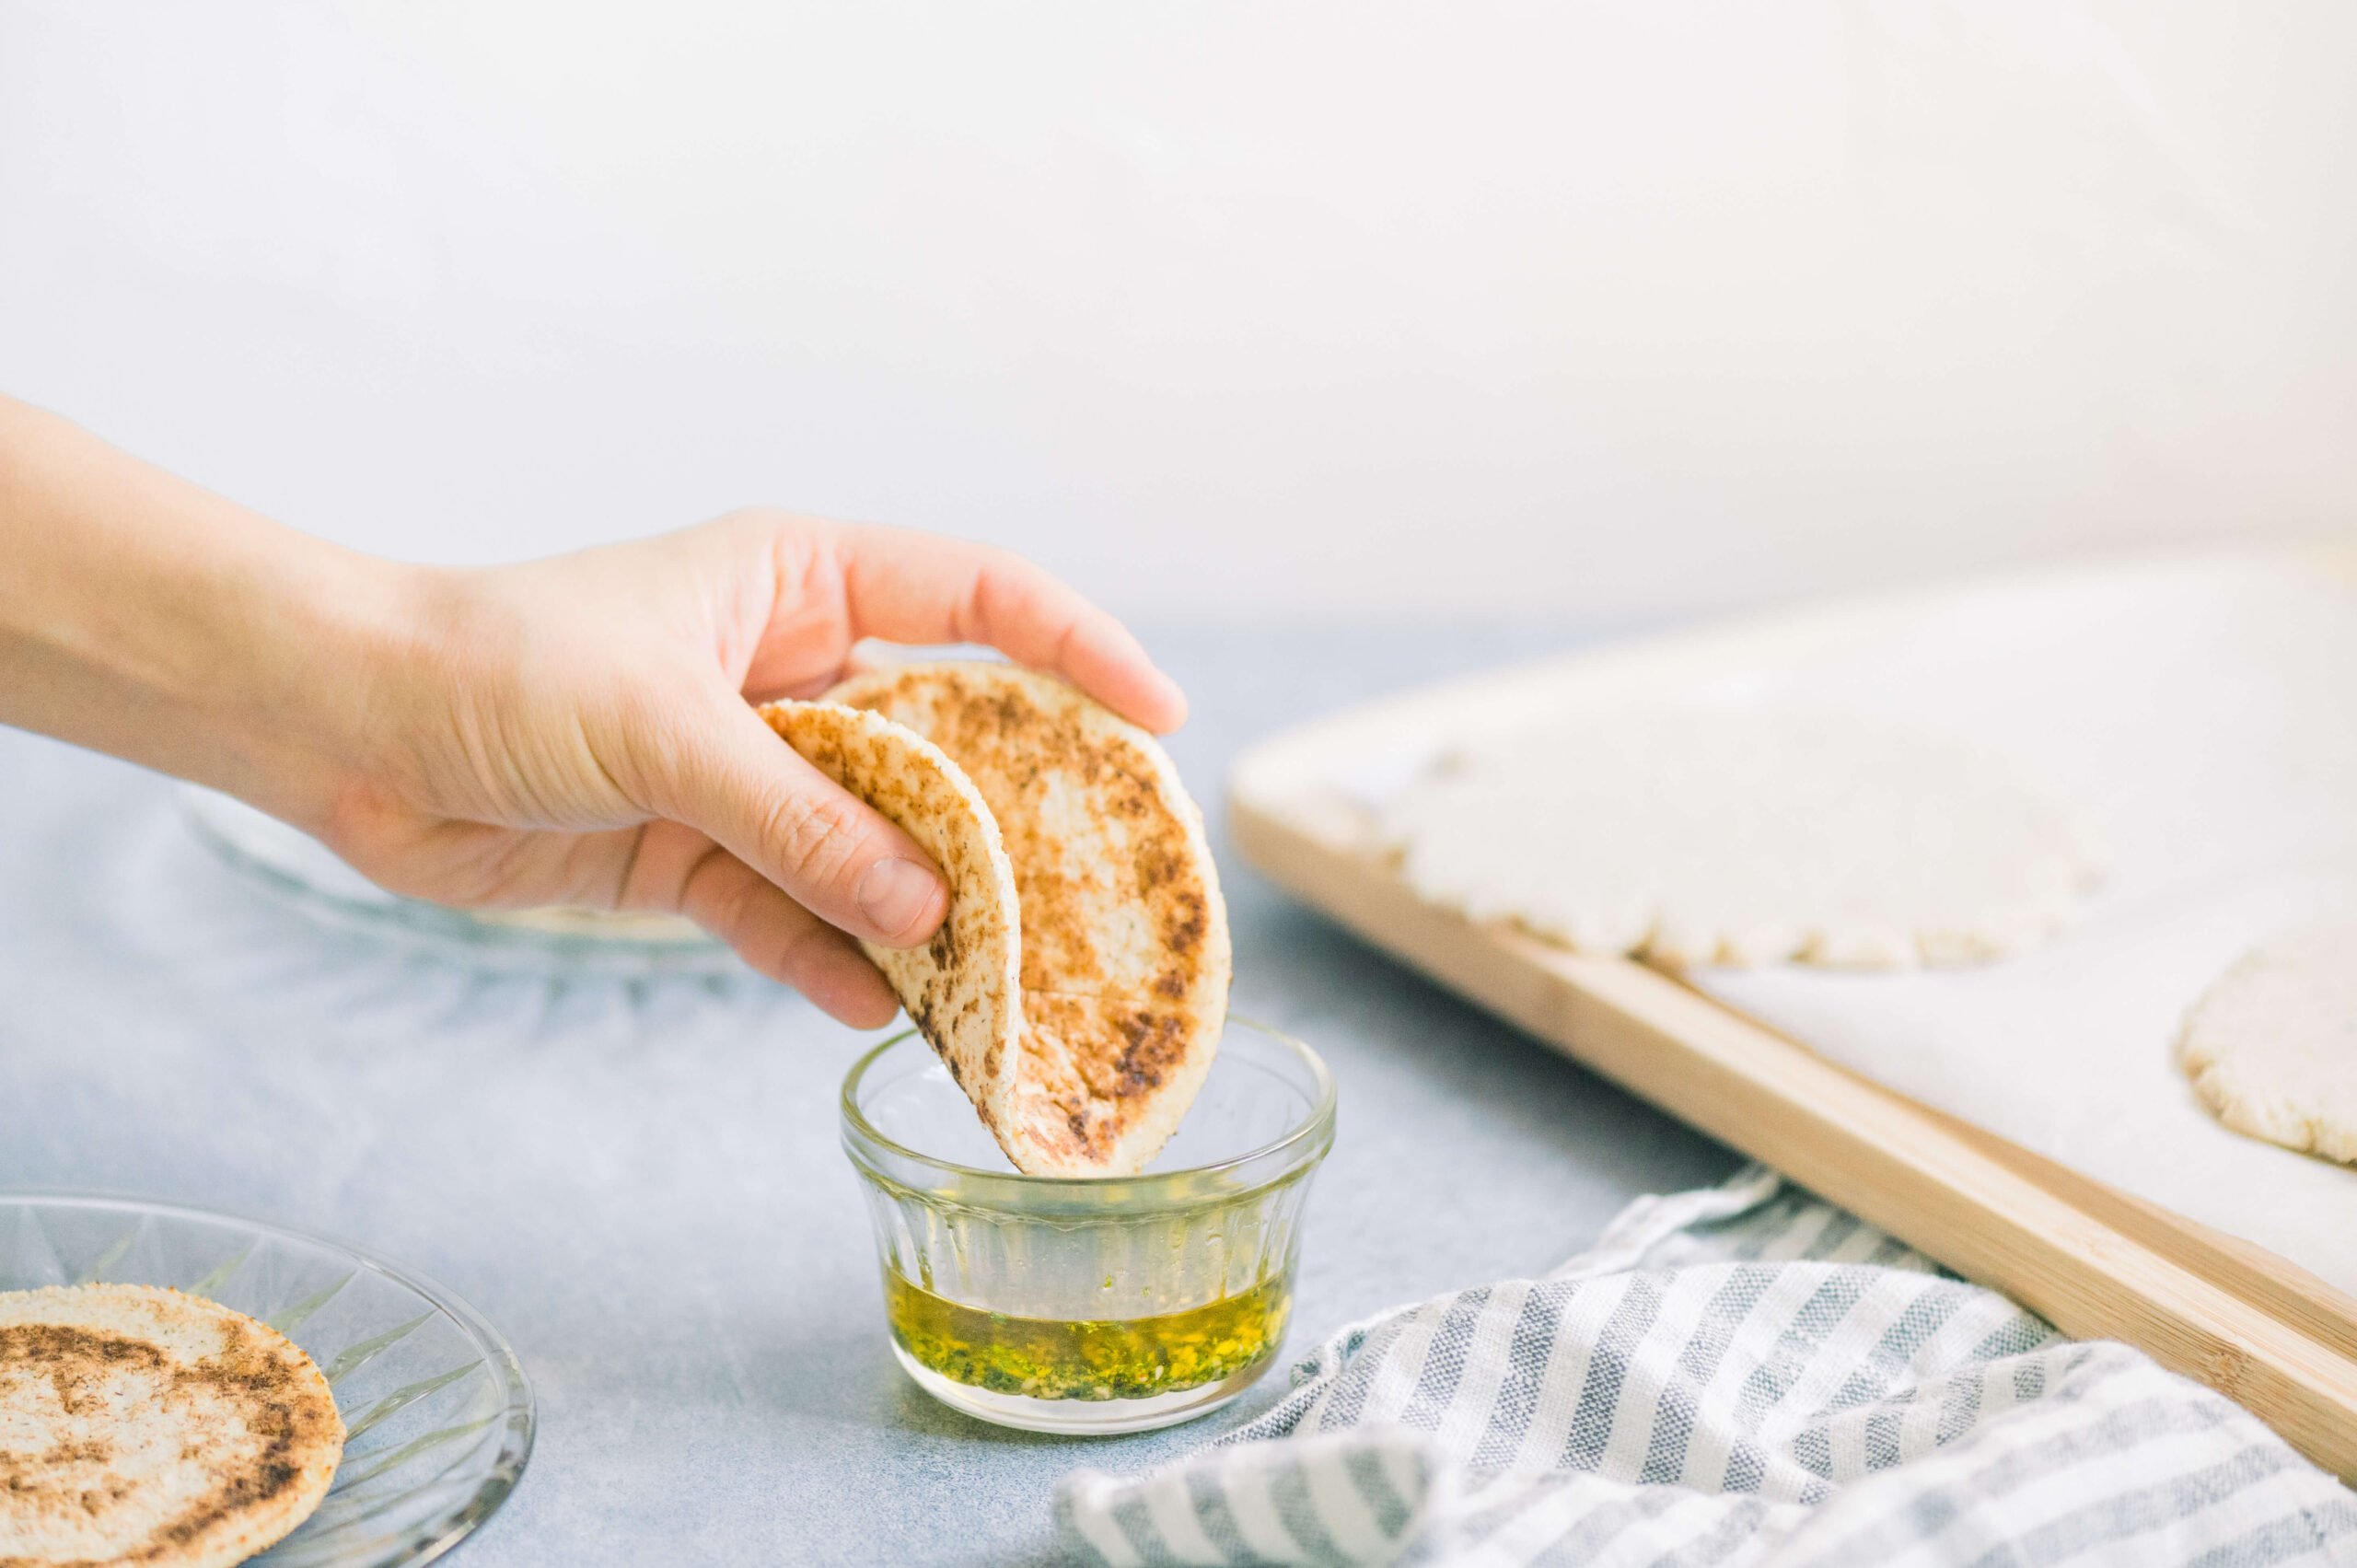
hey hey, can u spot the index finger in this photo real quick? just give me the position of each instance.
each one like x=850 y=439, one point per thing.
x=914 y=588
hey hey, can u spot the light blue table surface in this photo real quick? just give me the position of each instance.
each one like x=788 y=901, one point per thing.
x=646 y=1194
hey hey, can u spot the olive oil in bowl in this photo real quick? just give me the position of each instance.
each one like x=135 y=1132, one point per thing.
x=1118 y=1358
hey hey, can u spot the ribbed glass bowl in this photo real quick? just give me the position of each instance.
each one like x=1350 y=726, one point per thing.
x=1097 y=1305
x=305 y=874
x=437 y=1416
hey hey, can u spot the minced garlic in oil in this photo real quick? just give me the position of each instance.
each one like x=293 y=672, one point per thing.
x=1129 y=1358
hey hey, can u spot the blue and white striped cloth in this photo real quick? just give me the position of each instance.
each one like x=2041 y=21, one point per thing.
x=1741 y=1376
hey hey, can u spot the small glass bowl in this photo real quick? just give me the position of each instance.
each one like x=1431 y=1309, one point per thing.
x=1093 y=1303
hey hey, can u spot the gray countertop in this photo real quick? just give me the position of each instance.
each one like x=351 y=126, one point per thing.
x=641 y=1187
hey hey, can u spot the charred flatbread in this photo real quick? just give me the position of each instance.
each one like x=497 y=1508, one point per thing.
x=1124 y=944
x=138 y=1424
x=960 y=988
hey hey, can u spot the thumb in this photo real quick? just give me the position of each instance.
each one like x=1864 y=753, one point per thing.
x=734 y=780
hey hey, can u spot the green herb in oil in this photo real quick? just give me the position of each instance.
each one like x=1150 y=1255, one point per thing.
x=1132 y=1358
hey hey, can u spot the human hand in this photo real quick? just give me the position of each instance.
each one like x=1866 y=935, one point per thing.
x=578 y=731
x=572 y=731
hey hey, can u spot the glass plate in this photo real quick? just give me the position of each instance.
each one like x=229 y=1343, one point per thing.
x=437 y=1416
x=300 y=871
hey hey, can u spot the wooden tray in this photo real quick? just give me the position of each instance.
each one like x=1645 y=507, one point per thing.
x=2094 y=1261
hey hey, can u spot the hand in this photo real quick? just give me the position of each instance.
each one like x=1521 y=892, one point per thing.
x=572 y=731
x=578 y=731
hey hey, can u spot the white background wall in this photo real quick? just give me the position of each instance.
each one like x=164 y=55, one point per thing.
x=1219 y=309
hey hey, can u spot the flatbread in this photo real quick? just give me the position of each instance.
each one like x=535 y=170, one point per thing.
x=1700 y=833
x=140 y=1424
x=2271 y=1046
x=1125 y=963
x=960 y=988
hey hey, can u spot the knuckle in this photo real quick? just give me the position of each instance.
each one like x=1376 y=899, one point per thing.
x=1023 y=602
x=657 y=744
x=749 y=522
x=738 y=907
x=814 y=840
x=788 y=956
x=1006 y=599
x=726 y=900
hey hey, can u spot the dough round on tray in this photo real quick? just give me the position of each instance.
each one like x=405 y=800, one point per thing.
x=1698 y=834
x=2272 y=1047
x=960 y=989
x=1125 y=961
x=138 y=1424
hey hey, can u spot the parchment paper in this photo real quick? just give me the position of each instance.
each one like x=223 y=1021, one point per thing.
x=2206 y=713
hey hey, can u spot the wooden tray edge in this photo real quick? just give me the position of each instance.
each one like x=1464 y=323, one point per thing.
x=2094 y=1263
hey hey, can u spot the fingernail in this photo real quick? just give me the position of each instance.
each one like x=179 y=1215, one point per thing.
x=895 y=894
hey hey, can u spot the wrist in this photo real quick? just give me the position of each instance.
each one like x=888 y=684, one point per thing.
x=325 y=642
x=144 y=617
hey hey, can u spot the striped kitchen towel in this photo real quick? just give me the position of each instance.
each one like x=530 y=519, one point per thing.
x=1739 y=1376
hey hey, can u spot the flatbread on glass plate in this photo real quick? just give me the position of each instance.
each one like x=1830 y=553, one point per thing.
x=140 y=1424
x=438 y=1417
